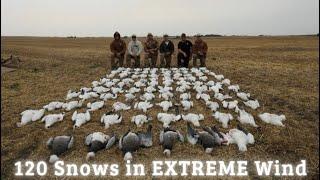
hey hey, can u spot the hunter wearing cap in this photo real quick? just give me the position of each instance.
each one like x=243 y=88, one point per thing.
x=199 y=51
x=151 y=51
x=118 y=49
x=134 y=50
x=184 y=51
x=166 y=50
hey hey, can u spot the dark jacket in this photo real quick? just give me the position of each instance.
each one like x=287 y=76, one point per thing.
x=118 y=46
x=164 y=48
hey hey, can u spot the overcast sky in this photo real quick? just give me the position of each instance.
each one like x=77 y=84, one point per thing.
x=103 y=17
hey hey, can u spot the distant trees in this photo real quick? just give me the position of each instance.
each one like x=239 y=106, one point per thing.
x=71 y=37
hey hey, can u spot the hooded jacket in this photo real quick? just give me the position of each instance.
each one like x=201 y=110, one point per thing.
x=118 y=46
x=135 y=48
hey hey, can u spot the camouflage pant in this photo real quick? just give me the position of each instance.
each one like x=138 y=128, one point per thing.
x=165 y=60
x=116 y=61
x=150 y=60
x=136 y=61
x=202 y=59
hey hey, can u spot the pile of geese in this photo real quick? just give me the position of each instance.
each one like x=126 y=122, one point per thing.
x=163 y=89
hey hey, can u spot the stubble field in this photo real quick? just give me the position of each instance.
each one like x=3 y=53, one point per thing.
x=281 y=72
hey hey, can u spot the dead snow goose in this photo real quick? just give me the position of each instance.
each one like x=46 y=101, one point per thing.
x=143 y=105
x=203 y=78
x=147 y=97
x=59 y=145
x=80 y=118
x=100 y=89
x=98 y=141
x=226 y=82
x=134 y=90
x=166 y=119
x=129 y=97
x=72 y=94
x=234 y=88
x=165 y=105
x=88 y=95
x=108 y=96
x=272 y=118
x=116 y=90
x=219 y=77
x=230 y=104
x=140 y=119
x=150 y=89
x=223 y=118
x=30 y=115
x=95 y=106
x=72 y=104
x=216 y=87
x=212 y=105
x=168 y=138
x=246 y=118
x=243 y=96
x=118 y=106
x=193 y=118
x=186 y=105
x=253 y=104
x=221 y=97
x=95 y=83
x=53 y=105
x=203 y=96
x=51 y=119
x=166 y=95
x=185 y=96
x=240 y=137
x=110 y=119
x=85 y=89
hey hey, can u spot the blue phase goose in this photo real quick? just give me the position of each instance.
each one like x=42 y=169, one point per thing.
x=168 y=137
x=206 y=138
x=58 y=145
x=131 y=142
x=97 y=141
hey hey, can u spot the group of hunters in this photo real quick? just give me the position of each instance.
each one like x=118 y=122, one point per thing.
x=151 y=49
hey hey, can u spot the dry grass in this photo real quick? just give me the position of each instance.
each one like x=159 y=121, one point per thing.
x=281 y=72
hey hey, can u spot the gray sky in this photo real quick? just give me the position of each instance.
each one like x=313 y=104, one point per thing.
x=103 y=17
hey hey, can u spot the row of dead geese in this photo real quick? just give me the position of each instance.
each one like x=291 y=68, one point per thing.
x=207 y=137
x=133 y=81
x=183 y=83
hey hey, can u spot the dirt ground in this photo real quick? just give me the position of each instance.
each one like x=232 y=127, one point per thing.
x=281 y=72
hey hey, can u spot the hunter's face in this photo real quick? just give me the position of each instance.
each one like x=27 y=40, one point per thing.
x=117 y=37
x=165 y=38
x=183 y=38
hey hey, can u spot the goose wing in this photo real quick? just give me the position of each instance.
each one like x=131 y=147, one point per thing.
x=191 y=134
x=88 y=139
x=145 y=138
x=111 y=142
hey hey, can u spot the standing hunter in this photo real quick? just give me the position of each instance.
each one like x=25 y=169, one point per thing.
x=166 y=50
x=199 y=51
x=118 y=50
x=184 y=51
x=151 y=51
x=134 y=50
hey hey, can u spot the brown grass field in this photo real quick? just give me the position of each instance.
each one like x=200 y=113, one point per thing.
x=281 y=72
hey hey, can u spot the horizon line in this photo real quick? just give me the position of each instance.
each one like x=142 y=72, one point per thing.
x=203 y=35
